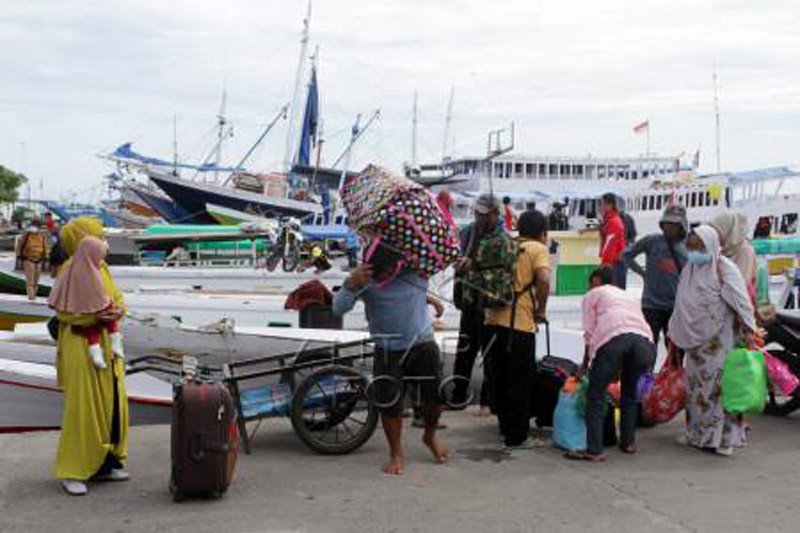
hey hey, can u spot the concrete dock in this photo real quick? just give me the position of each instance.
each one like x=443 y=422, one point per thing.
x=284 y=487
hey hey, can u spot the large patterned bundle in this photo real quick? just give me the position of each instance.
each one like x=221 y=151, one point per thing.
x=404 y=215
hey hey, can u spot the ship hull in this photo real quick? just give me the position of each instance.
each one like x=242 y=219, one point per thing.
x=193 y=198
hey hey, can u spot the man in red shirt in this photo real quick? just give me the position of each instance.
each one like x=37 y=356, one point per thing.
x=612 y=239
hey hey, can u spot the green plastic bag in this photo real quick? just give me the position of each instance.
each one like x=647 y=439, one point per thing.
x=744 y=382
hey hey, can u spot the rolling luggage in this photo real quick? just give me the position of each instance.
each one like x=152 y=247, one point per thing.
x=549 y=378
x=204 y=439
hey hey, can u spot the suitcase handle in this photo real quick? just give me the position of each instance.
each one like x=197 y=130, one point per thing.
x=547 y=336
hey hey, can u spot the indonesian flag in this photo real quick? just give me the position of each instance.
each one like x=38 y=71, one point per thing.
x=642 y=127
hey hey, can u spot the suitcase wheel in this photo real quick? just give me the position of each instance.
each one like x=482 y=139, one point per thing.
x=177 y=496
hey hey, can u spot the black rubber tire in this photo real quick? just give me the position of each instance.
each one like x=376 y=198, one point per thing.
x=272 y=261
x=791 y=403
x=291 y=261
x=293 y=377
x=308 y=437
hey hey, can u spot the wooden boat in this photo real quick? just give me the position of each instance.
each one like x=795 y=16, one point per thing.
x=30 y=399
x=242 y=280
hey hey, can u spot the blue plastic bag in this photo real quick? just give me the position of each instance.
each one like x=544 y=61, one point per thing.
x=643 y=386
x=569 y=425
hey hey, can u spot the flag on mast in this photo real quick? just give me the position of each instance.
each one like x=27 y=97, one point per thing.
x=642 y=127
x=308 y=136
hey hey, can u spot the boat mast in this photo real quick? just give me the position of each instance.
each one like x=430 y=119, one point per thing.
x=174 y=145
x=288 y=158
x=319 y=140
x=414 y=133
x=716 y=125
x=221 y=122
x=356 y=134
x=281 y=114
x=448 y=120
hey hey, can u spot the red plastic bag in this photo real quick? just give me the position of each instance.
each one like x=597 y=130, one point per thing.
x=668 y=395
x=615 y=391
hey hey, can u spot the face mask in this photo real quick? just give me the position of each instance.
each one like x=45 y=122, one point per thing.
x=698 y=258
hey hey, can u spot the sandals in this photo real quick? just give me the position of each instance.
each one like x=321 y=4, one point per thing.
x=630 y=449
x=576 y=455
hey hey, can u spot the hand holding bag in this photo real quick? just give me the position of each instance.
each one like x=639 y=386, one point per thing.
x=569 y=424
x=667 y=396
x=744 y=381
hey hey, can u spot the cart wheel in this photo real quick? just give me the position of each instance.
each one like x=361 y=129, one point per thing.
x=290 y=261
x=331 y=413
x=294 y=377
x=272 y=262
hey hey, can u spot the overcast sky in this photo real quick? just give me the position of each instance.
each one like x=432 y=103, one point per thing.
x=82 y=76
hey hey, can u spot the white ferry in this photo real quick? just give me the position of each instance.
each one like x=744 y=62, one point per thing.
x=769 y=197
x=646 y=185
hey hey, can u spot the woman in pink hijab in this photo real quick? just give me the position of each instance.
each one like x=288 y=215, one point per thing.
x=80 y=289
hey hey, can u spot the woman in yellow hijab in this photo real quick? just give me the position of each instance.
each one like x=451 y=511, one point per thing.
x=94 y=429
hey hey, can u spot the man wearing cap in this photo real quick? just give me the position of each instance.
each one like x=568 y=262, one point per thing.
x=487 y=223
x=665 y=256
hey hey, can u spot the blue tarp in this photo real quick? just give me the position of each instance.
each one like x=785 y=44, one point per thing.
x=330 y=231
x=125 y=151
x=765 y=174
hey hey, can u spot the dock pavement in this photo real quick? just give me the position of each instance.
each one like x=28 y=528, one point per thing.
x=284 y=487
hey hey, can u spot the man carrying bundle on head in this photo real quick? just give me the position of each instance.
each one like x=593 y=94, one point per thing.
x=396 y=300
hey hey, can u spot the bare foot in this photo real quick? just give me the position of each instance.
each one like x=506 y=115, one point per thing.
x=395 y=465
x=482 y=412
x=441 y=453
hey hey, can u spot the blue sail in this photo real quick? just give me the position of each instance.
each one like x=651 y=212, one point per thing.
x=310 y=120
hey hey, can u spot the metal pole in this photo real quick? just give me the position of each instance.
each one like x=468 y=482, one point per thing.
x=358 y=135
x=281 y=114
x=348 y=153
x=716 y=125
x=23 y=149
x=320 y=140
x=288 y=157
x=221 y=121
x=175 y=145
x=414 y=134
x=448 y=120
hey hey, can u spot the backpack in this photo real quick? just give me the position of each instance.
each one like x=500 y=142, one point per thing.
x=33 y=247
x=630 y=228
x=58 y=255
x=491 y=281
